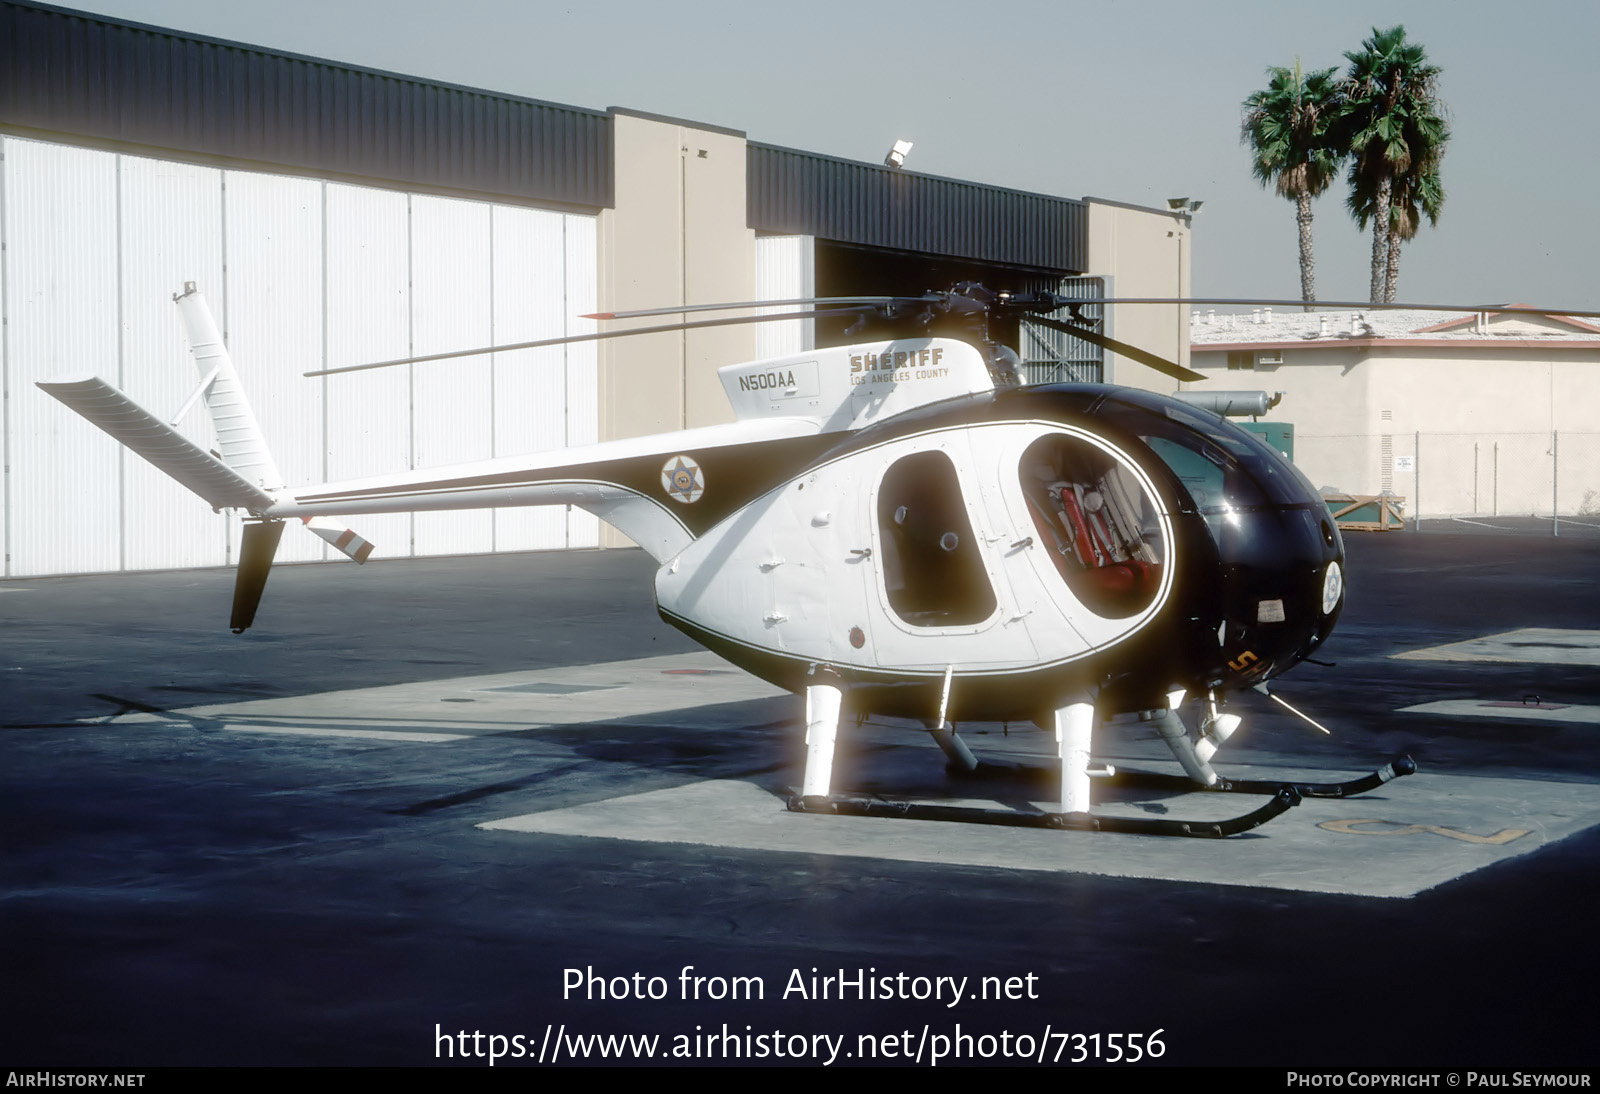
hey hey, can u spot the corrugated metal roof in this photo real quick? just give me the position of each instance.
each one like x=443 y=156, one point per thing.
x=805 y=193
x=82 y=75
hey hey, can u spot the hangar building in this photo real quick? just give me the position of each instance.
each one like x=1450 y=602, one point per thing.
x=334 y=215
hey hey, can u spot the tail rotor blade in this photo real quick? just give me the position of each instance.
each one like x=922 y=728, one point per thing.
x=340 y=538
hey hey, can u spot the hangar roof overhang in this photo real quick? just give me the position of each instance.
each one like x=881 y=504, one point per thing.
x=806 y=193
x=84 y=78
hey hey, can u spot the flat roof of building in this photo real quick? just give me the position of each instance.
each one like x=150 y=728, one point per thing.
x=1265 y=328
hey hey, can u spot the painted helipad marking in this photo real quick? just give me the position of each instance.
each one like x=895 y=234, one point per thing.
x=442 y=711
x=328 y=731
x=1373 y=826
x=1291 y=852
x=1478 y=708
x=1538 y=645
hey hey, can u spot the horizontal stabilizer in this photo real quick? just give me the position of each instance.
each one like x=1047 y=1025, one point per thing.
x=159 y=443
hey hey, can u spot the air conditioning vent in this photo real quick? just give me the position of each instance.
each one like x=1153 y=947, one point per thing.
x=1270 y=357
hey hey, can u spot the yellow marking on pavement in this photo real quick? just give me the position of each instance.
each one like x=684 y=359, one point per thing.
x=1348 y=827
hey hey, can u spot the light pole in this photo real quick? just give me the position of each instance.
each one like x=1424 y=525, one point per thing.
x=1183 y=210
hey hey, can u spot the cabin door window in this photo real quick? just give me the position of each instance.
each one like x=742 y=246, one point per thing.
x=932 y=571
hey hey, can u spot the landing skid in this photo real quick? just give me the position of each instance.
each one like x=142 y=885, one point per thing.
x=1151 y=780
x=1123 y=778
x=1284 y=798
x=1074 y=725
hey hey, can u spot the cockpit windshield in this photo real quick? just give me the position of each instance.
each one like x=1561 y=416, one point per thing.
x=1225 y=469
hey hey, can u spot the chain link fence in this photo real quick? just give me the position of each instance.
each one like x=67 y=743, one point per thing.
x=1541 y=483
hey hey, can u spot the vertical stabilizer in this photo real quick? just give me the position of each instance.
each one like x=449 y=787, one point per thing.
x=239 y=437
x=255 y=561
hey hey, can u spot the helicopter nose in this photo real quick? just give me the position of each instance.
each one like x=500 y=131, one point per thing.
x=1284 y=588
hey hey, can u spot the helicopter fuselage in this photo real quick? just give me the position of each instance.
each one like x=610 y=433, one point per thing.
x=894 y=527
x=1030 y=545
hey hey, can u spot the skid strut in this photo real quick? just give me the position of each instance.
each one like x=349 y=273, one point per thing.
x=823 y=702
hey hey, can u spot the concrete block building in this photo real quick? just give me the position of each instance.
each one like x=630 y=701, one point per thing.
x=1486 y=414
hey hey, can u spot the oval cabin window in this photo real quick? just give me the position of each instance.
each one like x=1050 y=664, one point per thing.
x=1096 y=522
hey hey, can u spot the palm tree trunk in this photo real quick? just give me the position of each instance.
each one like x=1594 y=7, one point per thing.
x=1380 y=240
x=1392 y=271
x=1308 y=277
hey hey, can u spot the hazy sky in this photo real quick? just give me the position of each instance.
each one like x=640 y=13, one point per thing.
x=1136 y=102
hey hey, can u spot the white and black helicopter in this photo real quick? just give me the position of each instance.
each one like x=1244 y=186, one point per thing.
x=898 y=527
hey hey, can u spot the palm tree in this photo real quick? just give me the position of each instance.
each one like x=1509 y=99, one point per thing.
x=1287 y=128
x=1417 y=190
x=1413 y=194
x=1393 y=124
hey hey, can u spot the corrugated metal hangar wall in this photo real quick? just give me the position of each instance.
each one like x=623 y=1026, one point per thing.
x=301 y=274
x=334 y=214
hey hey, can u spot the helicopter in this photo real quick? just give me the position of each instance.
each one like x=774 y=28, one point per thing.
x=898 y=527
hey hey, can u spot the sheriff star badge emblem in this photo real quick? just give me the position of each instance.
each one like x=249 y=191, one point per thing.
x=682 y=479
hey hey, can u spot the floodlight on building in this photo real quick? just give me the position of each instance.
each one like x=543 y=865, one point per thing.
x=897 y=154
x=1175 y=204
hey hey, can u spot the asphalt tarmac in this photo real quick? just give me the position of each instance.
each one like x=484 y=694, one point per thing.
x=427 y=800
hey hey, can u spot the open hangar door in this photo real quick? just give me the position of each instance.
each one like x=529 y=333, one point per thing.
x=844 y=269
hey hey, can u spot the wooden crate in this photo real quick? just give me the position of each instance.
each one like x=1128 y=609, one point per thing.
x=1367 y=512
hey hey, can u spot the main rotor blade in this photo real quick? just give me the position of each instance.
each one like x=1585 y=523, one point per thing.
x=542 y=342
x=1144 y=357
x=1358 y=305
x=805 y=301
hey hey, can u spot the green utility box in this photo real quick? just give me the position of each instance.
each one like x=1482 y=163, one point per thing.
x=1279 y=435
